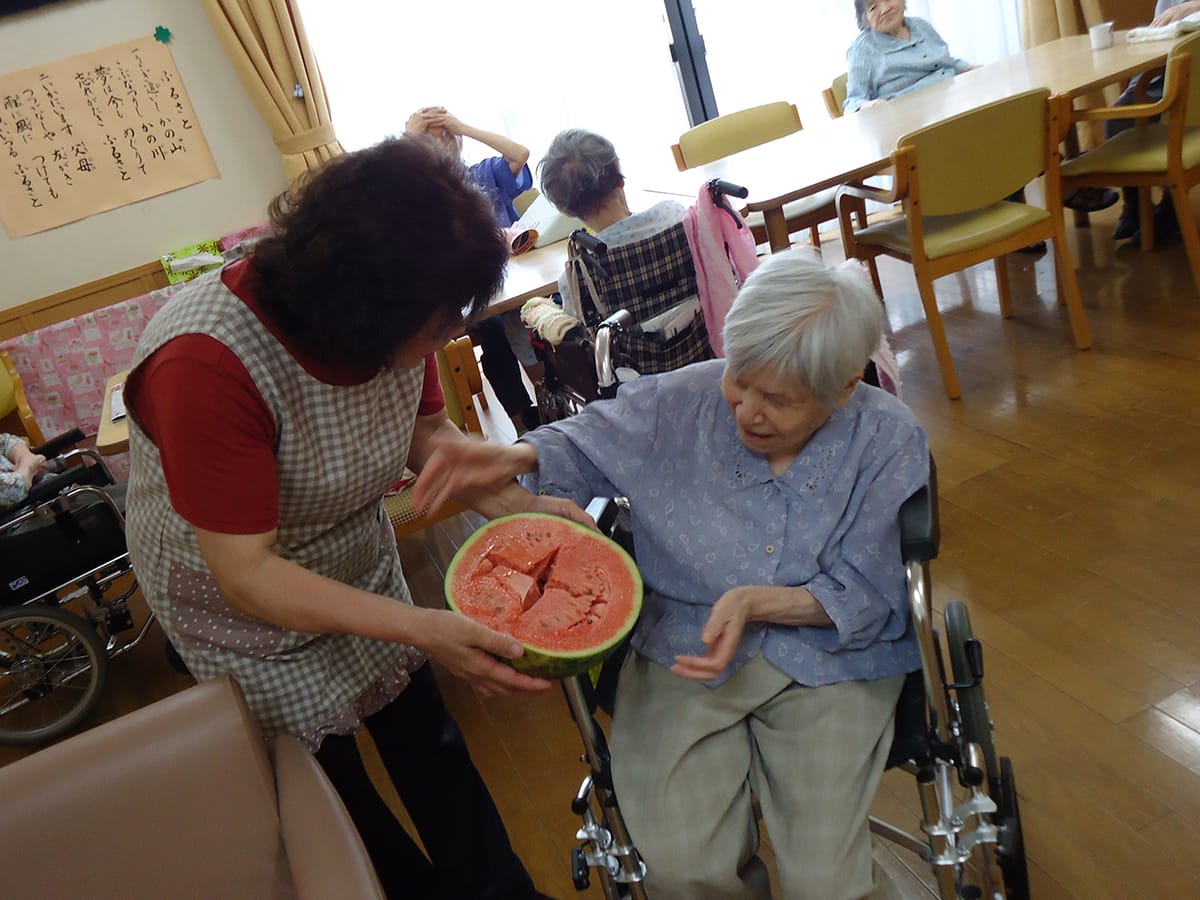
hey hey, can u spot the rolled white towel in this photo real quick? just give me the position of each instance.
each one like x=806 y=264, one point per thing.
x=547 y=318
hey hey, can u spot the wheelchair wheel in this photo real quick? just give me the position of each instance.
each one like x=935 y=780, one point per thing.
x=972 y=707
x=52 y=670
x=1010 y=848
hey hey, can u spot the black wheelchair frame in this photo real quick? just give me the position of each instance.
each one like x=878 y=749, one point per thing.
x=970 y=818
x=64 y=590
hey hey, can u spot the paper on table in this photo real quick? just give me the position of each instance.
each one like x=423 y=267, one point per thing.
x=116 y=402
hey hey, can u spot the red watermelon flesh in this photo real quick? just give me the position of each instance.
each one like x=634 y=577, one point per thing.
x=566 y=592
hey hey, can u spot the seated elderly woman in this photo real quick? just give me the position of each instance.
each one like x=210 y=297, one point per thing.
x=765 y=489
x=893 y=54
x=581 y=176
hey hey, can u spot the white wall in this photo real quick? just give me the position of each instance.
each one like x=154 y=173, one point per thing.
x=249 y=167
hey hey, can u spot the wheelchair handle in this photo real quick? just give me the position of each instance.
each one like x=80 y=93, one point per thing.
x=57 y=445
x=589 y=242
x=728 y=187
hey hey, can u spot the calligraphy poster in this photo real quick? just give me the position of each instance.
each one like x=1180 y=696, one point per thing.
x=94 y=132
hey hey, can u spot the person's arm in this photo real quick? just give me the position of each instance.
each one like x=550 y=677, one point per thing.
x=860 y=88
x=1175 y=13
x=480 y=474
x=256 y=581
x=727 y=621
x=517 y=155
x=26 y=464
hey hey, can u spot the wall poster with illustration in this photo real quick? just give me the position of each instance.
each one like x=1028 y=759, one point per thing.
x=94 y=132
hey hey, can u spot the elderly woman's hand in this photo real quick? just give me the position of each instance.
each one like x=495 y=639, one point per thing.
x=1175 y=13
x=722 y=633
x=461 y=463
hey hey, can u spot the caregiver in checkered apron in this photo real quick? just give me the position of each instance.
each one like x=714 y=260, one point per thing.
x=272 y=405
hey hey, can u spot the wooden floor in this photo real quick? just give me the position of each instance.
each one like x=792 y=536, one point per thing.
x=1070 y=501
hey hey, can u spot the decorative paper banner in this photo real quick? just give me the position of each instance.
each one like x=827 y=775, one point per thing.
x=95 y=132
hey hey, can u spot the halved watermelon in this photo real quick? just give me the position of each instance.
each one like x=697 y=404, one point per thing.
x=566 y=592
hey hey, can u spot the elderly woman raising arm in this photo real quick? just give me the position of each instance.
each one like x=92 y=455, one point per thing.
x=765 y=489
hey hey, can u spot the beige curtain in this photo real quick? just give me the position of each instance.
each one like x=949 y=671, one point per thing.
x=1047 y=20
x=266 y=43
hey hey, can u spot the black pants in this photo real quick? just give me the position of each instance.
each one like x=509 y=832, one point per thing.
x=500 y=365
x=470 y=857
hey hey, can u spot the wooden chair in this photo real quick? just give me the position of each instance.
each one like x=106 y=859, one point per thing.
x=953 y=178
x=1166 y=152
x=737 y=131
x=15 y=415
x=462 y=385
x=835 y=97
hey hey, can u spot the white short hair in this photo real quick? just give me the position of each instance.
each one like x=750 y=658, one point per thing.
x=803 y=320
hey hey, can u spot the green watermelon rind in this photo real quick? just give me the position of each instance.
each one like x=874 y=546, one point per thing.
x=543 y=662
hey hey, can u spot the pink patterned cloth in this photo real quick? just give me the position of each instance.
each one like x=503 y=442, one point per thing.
x=65 y=366
x=724 y=255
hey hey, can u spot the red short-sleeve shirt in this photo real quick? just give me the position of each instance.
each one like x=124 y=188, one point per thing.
x=214 y=432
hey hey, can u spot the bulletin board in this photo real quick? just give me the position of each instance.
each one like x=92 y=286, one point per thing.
x=94 y=132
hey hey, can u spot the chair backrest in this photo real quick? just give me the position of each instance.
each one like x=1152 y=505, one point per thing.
x=733 y=132
x=980 y=157
x=1191 y=46
x=648 y=277
x=15 y=415
x=178 y=799
x=521 y=201
x=835 y=96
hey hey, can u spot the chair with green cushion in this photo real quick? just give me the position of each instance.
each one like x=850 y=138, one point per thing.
x=835 y=96
x=953 y=179
x=1166 y=152
x=746 y=128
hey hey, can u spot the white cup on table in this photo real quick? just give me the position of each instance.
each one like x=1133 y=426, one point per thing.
x=1101 y=35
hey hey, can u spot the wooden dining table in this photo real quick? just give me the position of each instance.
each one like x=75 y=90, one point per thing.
x=848 y=149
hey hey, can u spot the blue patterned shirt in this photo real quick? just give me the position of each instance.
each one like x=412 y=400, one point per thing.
x=881 y=66
x=709 y=515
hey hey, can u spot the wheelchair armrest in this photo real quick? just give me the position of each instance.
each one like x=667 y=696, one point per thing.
x=920 y=530
x=57 y=445
x=51 y=485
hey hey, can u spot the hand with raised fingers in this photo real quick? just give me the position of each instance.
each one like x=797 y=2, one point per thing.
x=721 y=635
x=461 y=463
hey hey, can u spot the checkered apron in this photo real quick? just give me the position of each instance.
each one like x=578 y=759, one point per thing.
x=338 y=450
x=648 y=277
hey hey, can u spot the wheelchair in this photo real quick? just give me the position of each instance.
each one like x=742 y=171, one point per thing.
x=970 y=819
x=65 y=582
x=641 y=315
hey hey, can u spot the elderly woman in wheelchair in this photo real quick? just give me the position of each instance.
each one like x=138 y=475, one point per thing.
x=764 y=491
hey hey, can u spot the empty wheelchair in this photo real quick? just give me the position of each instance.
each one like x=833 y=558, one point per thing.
x=640 y=312
x=970 y=821
x=65 y=582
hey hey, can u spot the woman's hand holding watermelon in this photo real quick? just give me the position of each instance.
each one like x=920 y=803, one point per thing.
x=468 y=650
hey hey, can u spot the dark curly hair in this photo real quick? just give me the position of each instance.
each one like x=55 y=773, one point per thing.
x=375 y=246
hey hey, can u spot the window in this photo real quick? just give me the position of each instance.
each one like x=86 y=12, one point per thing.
x=527 y=71
x=764 y=50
